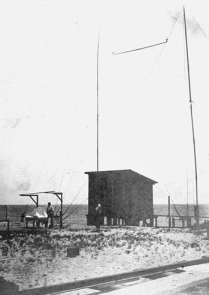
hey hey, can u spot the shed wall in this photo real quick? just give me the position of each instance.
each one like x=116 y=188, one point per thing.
x=122 y=196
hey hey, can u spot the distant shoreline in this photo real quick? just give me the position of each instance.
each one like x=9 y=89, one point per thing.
x=66 y=204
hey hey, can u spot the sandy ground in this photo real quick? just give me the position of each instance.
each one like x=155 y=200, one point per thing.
x=41 y=260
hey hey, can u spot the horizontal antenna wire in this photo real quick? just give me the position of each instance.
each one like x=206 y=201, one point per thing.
x=64 y=171
x=161 y=191
x=75 y=209
x=69 y=182
x=74 y=198
x=141 y=48
x=154 y=64
x=176 y=18
x=175 y=208
x=200 y=28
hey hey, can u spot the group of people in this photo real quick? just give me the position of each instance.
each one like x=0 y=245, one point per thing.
x=50 y=216
x=98 y=215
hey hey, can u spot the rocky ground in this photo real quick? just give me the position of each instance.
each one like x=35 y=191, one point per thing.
x=41 y=259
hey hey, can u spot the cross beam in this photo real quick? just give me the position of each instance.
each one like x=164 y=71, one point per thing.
x=31 y=196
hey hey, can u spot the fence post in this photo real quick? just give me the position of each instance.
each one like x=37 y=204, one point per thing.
x=183 y=222
x=173 y=222
x=6 y=211
x=109 y=220
x=189 y=221
x=61 y=219
x=155 y=217
x=207 y=230
x=115 y=220
x=169 y=213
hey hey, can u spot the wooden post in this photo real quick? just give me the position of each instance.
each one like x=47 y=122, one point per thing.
x=114 y=220
x=59 y=196
x=169 y=213
x=173 y=222
x=6 y=211
x=207 y=230
x=61 y=212
x=188 y=221
x=196 y=214
x=109 y=220
x=183 y=222
x=155 y=217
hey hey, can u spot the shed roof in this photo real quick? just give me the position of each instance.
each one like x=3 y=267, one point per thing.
x=128 y=172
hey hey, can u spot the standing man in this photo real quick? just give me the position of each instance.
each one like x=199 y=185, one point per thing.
x=50 y=214
x=98 y=217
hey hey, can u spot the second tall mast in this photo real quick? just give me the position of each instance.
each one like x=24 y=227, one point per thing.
x=192 y=120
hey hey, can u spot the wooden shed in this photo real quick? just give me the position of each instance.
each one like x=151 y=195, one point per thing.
x=126 y=197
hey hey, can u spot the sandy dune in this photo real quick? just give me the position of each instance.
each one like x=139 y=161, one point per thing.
x=41 y=260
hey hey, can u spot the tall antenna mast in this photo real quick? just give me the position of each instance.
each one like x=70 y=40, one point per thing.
x=191 y=111
x=98 y=103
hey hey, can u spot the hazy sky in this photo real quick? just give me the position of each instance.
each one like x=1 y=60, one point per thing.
x=48 y=96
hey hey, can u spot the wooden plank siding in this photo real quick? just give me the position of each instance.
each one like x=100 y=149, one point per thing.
x=123 y=194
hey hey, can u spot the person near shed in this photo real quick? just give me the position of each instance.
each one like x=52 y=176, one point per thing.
x=50 y=214
x=22 y=217
x=98 y=216
x=144 y=219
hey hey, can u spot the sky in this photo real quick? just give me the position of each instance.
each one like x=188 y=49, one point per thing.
x=48 y=96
